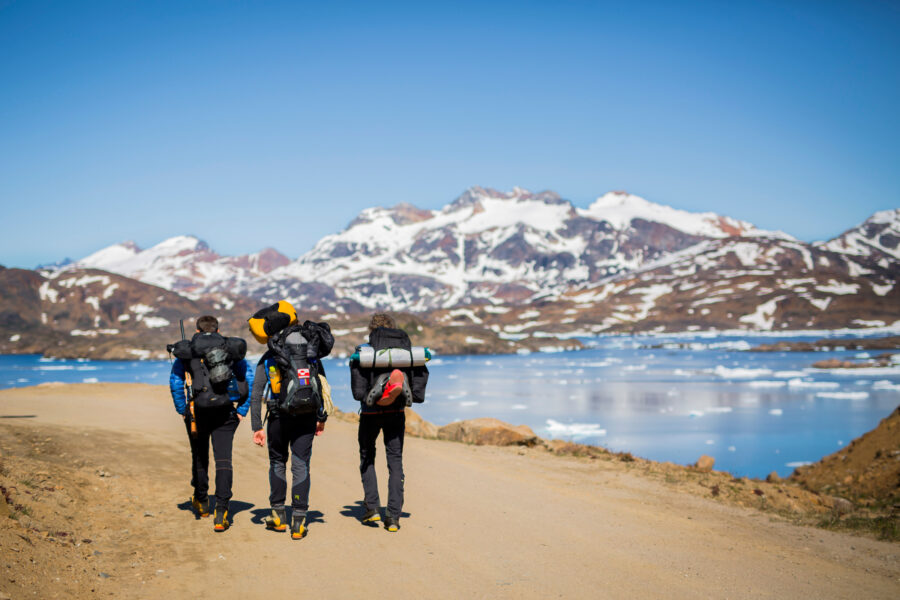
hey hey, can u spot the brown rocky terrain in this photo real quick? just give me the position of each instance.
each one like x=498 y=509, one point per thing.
x=97 y=485
x=891 y=342
x=866 y=471
x=87 y=313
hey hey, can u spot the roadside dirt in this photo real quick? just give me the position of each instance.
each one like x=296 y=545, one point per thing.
x=109 y=463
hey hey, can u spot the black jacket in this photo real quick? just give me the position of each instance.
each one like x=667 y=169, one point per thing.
x=361 y=380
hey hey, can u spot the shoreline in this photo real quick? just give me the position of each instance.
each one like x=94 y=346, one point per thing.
x=536 y=339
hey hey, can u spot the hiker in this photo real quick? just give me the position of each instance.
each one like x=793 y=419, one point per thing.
x=383 y=393
x=217 y=377
x=290 y=372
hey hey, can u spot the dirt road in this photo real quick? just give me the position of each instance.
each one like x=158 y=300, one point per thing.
x=481 y=522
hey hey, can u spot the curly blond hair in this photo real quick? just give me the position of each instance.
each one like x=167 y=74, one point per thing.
x=381 y=320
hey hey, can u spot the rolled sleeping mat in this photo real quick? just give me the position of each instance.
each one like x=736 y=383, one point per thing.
x=369 y=358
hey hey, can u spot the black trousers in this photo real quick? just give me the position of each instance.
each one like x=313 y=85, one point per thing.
x=393 y=425
x=295 y=434
x=217 y=425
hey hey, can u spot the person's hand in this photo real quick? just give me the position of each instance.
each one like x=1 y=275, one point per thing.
x=320 y=427
x=240 y=417
x=259 y=437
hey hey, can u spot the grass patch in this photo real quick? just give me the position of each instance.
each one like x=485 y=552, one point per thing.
x=883 y=528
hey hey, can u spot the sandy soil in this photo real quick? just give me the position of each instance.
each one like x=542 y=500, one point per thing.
x=97 y=478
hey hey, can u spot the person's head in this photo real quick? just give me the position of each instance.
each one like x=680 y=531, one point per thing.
x=381 y=320
x=207 y=324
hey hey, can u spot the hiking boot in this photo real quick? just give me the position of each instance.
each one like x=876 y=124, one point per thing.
x=298 y=527
x=277 y=521
x=201 y=506
x=391 y=524
x=372 y=516
x=220 y=520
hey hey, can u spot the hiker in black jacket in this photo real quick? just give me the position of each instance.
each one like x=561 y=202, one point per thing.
x=386 y=416
x=289 y=435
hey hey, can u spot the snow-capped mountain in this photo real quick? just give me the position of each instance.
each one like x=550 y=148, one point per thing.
x=89 y=312
x=878 y=237
x=623 y=263
x=489 y=246
x=760 y=284
x=183 y=264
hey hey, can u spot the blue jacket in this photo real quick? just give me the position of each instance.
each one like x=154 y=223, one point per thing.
x=176 y=386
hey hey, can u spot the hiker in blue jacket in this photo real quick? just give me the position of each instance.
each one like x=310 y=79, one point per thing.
x=215 y=424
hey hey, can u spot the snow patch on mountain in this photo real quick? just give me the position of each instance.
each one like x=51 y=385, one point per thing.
x=878 y=236
x=621 y=208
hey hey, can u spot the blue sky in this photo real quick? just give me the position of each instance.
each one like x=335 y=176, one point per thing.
x=142 y=120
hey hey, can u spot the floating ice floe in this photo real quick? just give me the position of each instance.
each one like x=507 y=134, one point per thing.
x=732 y=449
x=843 y=395
x=776 y=412
x=884 y=384
x=634 y=367
x=574 y=429
x=710 y=442
x=797 y=463
x=789 y=374
x=519 y=407
x=864 y=371
x=740 y=372
x=762 y=383
x=467 y=403
x=90 y=380
x=695 y=414
x=56 y=368
x=818 y=385
x=719 y=409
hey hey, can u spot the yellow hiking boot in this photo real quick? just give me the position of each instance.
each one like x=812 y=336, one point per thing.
x=277 y=521
x=201 y=506
x=298 y=528
x=220 y=521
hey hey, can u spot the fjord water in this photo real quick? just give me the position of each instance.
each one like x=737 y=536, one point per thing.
x=754 y=412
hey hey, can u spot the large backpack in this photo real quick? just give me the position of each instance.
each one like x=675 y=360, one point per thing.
x=210 y=359
x=298 y=391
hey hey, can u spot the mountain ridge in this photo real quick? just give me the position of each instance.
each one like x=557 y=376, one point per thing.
x=622 y=264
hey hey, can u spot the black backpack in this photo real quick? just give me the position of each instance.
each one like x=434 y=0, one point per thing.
x=300 y=393
x=210 y=359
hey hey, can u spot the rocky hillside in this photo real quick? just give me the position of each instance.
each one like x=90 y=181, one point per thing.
x=878 y=239
x=91 y=313
x=867 y=470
